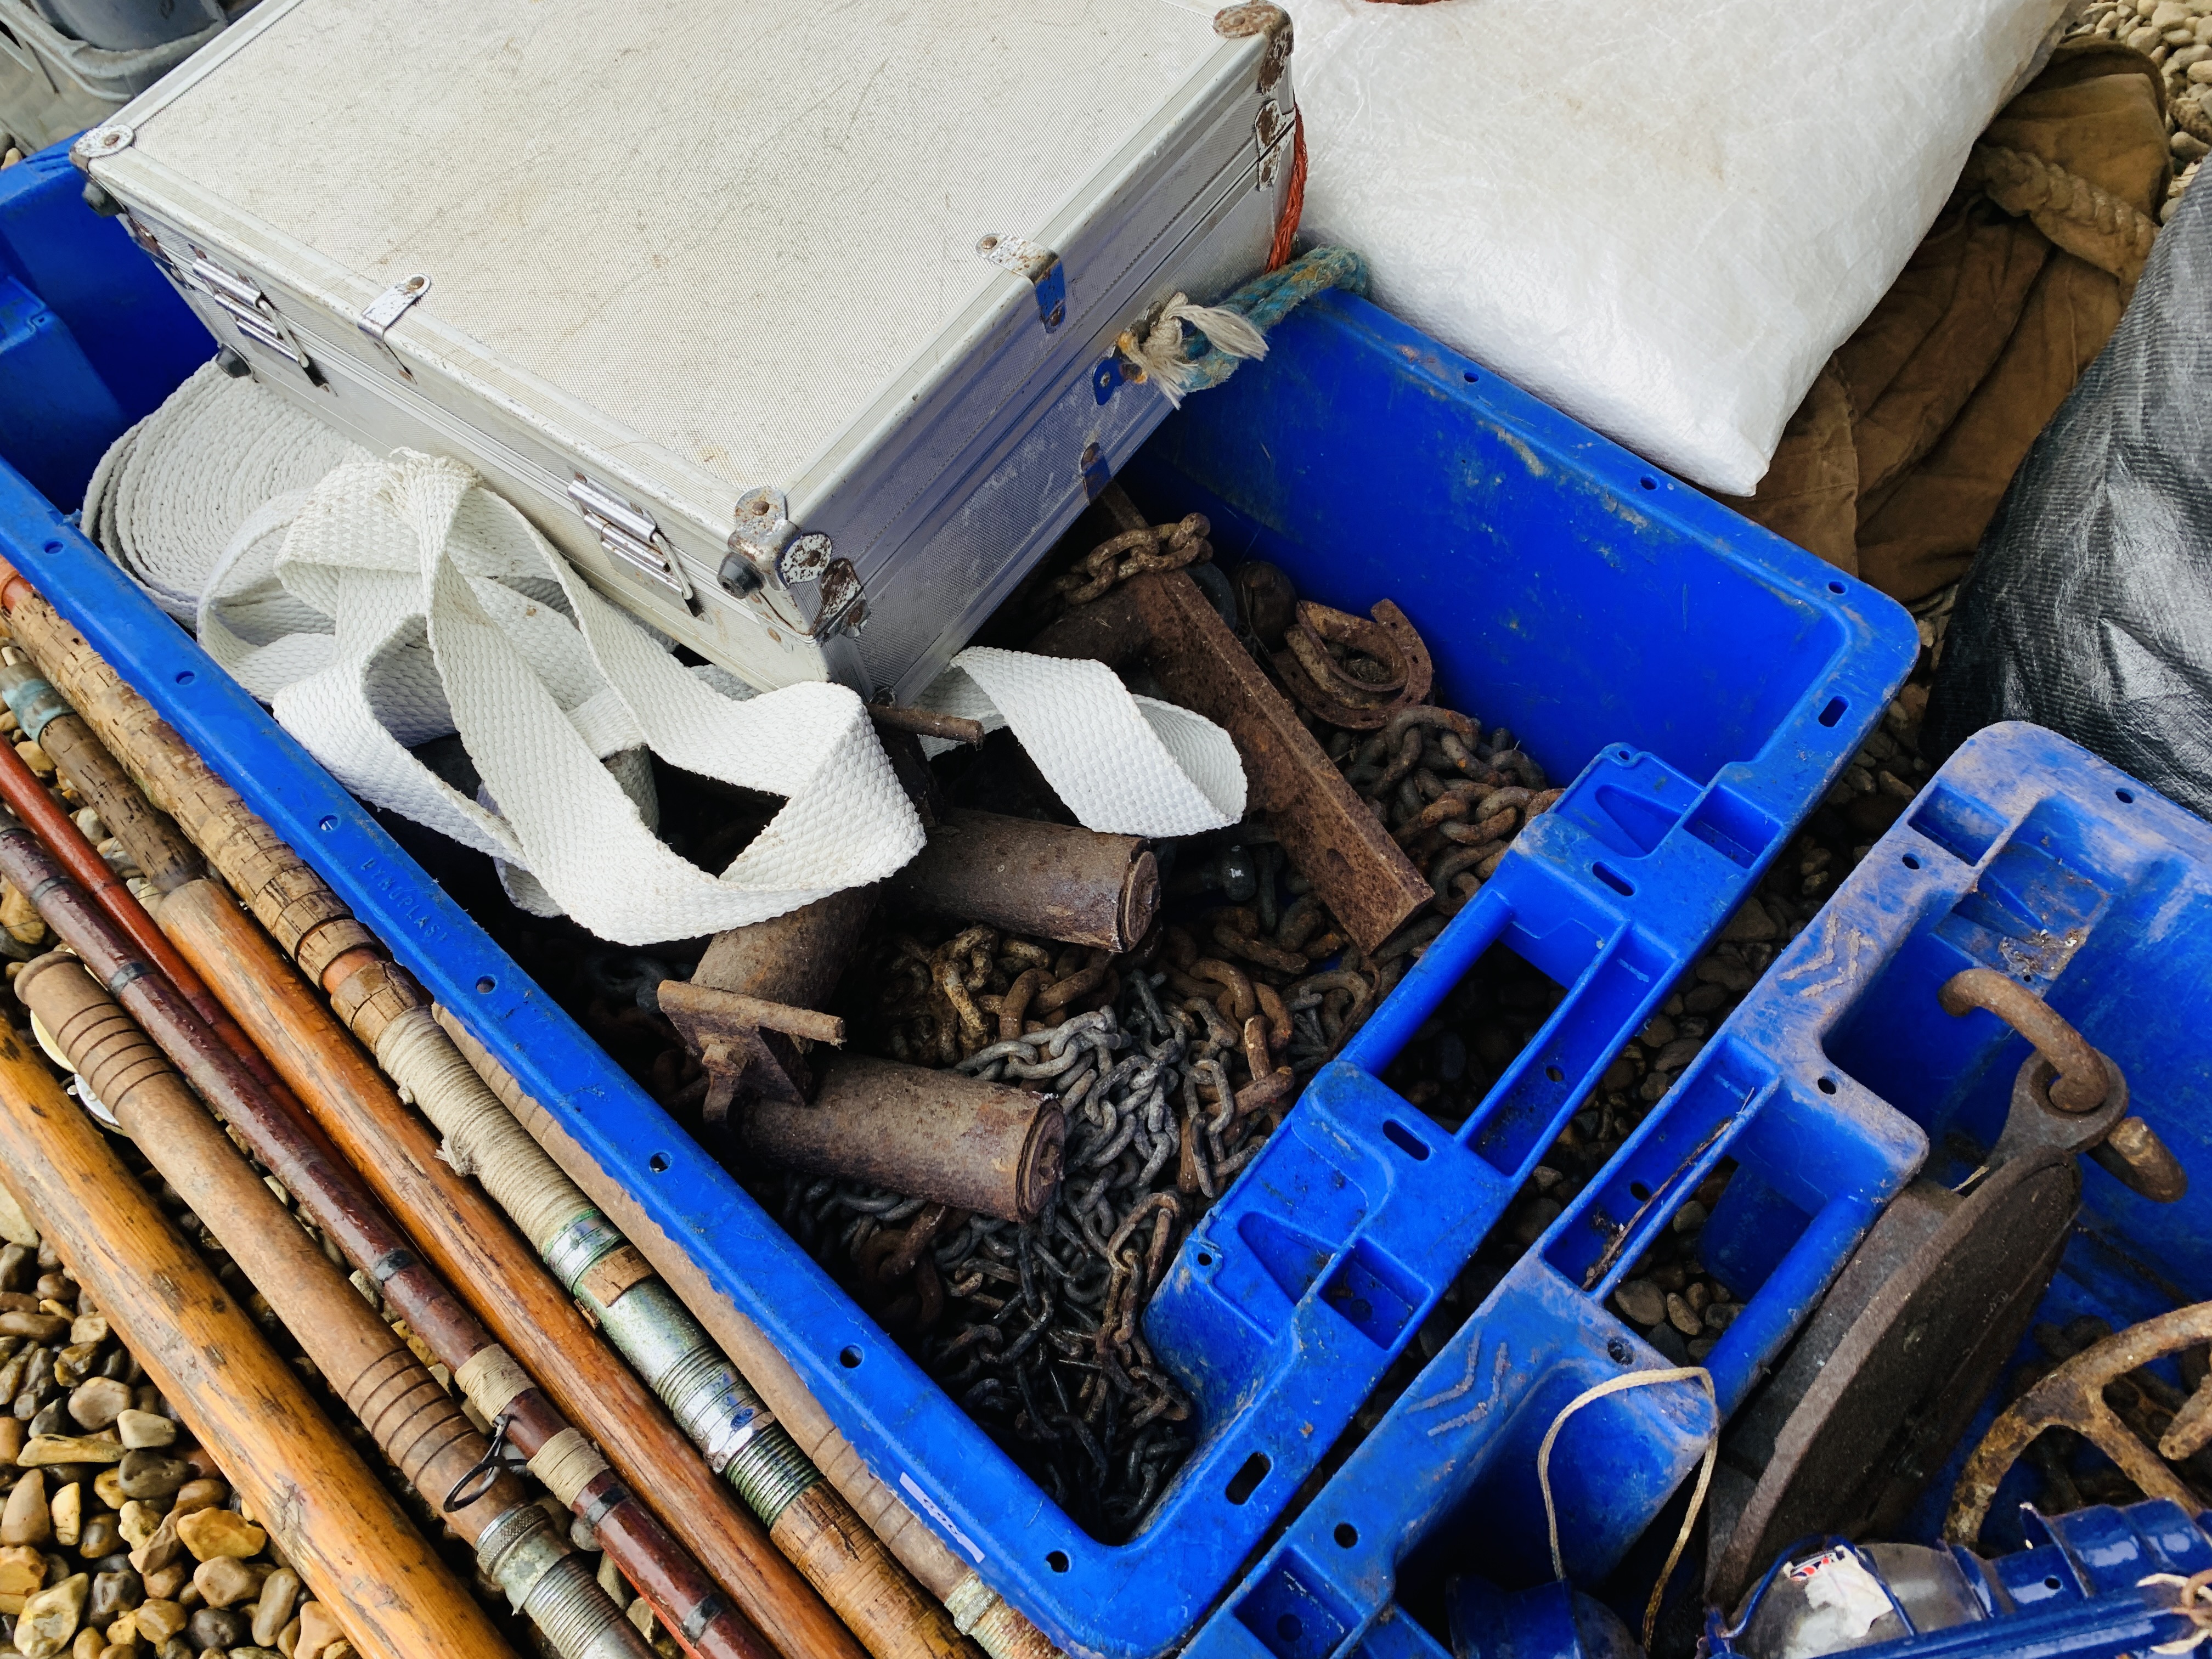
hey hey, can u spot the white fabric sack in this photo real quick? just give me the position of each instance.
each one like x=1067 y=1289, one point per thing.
x=1661 y=220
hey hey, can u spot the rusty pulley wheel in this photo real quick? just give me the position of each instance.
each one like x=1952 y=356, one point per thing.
x=2072 y=1397
x=1889 y=1373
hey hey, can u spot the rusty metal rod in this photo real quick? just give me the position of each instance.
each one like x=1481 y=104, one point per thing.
x=1052 y=880
x=351 y=1540
x=958 y=1140
x=926 y=723
x=1164 y=619
x=568 y=1610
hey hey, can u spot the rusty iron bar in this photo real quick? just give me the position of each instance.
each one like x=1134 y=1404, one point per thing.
x=2072 y=1396
x=1047 y=880
x=981 y=1147
x=1164 y=619
x=2081 y=1085
x=926 y=723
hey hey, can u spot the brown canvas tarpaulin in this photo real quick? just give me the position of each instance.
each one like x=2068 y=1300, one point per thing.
x=1895 y=462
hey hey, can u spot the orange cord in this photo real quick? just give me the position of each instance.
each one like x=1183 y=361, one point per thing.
x=1294 y=205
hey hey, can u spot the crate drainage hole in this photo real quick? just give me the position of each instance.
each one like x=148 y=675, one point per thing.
x=1246 y=1480
x=1639 y=1191
x=849 y=1358
x=1057 y=1560
x=1347 y=1535
x=1555 y=1074
x=1619 y=883
x=1404 y=1140
x=1206 y=1258
x=657 y=1164
x=1826 y=1085
x=1835 y=587
x=326 y=824
x=2125 y=796
x=56 y=547
x=1649 y=484
x=1910 y=862
x=1288 y=1627
x=487 y=984
x=1833 y=711
x=1618 y=1351
x=185 y=677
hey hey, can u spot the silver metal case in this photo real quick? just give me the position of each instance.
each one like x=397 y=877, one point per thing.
x=788 y=326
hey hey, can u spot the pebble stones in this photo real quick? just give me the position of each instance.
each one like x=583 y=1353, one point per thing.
x=93 y=1463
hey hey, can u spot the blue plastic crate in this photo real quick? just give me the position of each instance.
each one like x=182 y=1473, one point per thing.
x=2025 y=854
x=92 y=338
x=1707 y=681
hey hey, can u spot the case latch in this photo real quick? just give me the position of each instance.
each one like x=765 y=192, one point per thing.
x=248 y=309
x=629 y=536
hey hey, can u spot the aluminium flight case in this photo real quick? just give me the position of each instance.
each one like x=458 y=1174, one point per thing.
x=789 y=325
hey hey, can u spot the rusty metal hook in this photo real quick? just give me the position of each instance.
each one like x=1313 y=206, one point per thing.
x=2081 y=1082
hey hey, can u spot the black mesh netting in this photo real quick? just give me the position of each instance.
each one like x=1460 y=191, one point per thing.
x=2088 y=609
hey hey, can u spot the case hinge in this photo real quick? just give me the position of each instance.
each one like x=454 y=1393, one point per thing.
x=629 y=536
x=389 y=307
x=1039 y=266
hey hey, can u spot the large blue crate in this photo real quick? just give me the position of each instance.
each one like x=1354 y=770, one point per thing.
x=1706 y=680
x=2025 y=854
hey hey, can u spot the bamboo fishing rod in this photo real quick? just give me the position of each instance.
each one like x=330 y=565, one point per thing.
x=540 y=1569
x=345 y=1533
x=815 y=1527
x=467 y=1239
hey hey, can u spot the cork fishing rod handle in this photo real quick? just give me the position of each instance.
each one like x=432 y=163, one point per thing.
x=350 y=1538
x=27 y=799
x=977 y=1610
x=471 y=1245
x=42 y=715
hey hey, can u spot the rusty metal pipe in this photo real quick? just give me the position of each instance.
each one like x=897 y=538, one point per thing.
x=2081 y=1085
x=1050 y=880
x=958 y=1140
x=926 y=723
x=795 y=958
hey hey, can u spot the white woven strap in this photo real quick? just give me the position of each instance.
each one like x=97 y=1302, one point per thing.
x=451 y=613
x=397 y=601
x=1124 y=765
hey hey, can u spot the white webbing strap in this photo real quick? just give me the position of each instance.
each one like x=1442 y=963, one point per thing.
x=398 y=601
